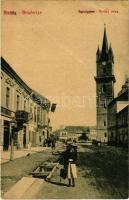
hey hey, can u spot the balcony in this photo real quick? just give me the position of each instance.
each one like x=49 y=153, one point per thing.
x=7 y=112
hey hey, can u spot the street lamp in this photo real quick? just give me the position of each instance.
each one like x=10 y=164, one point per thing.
x=13 y=124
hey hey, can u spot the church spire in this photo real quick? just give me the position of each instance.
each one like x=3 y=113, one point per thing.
x=98 y=51
x=104 y=52
x=98 y=54
x=105 y=42
x=110 y=54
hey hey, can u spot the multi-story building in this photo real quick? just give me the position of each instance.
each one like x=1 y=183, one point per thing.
x=104 y=86
x=122 y=127
x=16 y=95
x=42 y=117
x=118 y=118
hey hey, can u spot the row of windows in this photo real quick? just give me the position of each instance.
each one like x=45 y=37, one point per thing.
x=18 y=99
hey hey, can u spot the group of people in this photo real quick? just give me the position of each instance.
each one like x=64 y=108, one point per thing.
x=68 y=159
x=50 y=142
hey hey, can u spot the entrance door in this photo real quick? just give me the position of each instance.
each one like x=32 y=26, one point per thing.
x=6 y=135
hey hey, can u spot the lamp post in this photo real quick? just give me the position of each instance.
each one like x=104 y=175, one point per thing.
x=13 y=123
x=48 y=128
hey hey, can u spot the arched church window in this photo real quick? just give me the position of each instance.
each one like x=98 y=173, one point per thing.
x=104 y=123
x=105 y=134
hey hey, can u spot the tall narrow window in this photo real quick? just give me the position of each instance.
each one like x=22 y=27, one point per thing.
x=18 y=102
x=24 y=104
x=104 y=123
x=31 y=112
x=38 y=114
x=105 y=134
x=7 y=97
x=35 y=114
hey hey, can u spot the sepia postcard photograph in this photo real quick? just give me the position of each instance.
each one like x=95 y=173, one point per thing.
x=64 y=99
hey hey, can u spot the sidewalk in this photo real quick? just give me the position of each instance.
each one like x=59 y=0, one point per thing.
x=5 y=155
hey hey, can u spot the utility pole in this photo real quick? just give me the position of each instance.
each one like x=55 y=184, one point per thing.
x=48 y=127
x=13 y=124
x=12 y=144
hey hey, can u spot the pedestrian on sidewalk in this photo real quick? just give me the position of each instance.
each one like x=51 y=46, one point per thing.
x=53 y=144
x=69 y=160
x=49 y=142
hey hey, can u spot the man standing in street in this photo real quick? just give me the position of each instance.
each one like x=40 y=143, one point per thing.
x=53 y=144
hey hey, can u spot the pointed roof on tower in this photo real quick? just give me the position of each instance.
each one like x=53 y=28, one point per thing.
x=110 y=53
x=105 y=41
x=98 y=51
x=104 y=52
x=110 y=50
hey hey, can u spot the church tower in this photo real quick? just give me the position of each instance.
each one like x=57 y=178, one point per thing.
x=105 y=80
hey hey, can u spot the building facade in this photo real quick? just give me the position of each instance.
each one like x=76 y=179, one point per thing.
x=118 y=119
x=16 y=95
x=93 y=133
x=104 y=86
x=73 y=133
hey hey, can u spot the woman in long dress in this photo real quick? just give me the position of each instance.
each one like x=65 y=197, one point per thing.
x=70 y=158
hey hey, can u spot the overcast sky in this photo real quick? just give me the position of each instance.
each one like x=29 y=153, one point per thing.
x=55 y=52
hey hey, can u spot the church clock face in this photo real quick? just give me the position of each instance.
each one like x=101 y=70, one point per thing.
x=104 y=63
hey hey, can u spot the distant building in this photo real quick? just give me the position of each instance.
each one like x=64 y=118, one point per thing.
x=63 y=135
x=17 y=95
x=104 y=86
x=118 y=120
x=73 y=132
x=93 y=133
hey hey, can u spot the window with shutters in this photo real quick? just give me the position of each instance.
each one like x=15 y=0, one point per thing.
x=7 y=97
x=18 y=102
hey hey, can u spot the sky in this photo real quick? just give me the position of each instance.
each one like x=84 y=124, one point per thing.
x=54 y=52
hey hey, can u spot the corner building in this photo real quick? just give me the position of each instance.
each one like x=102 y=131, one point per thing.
x=17 y=95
